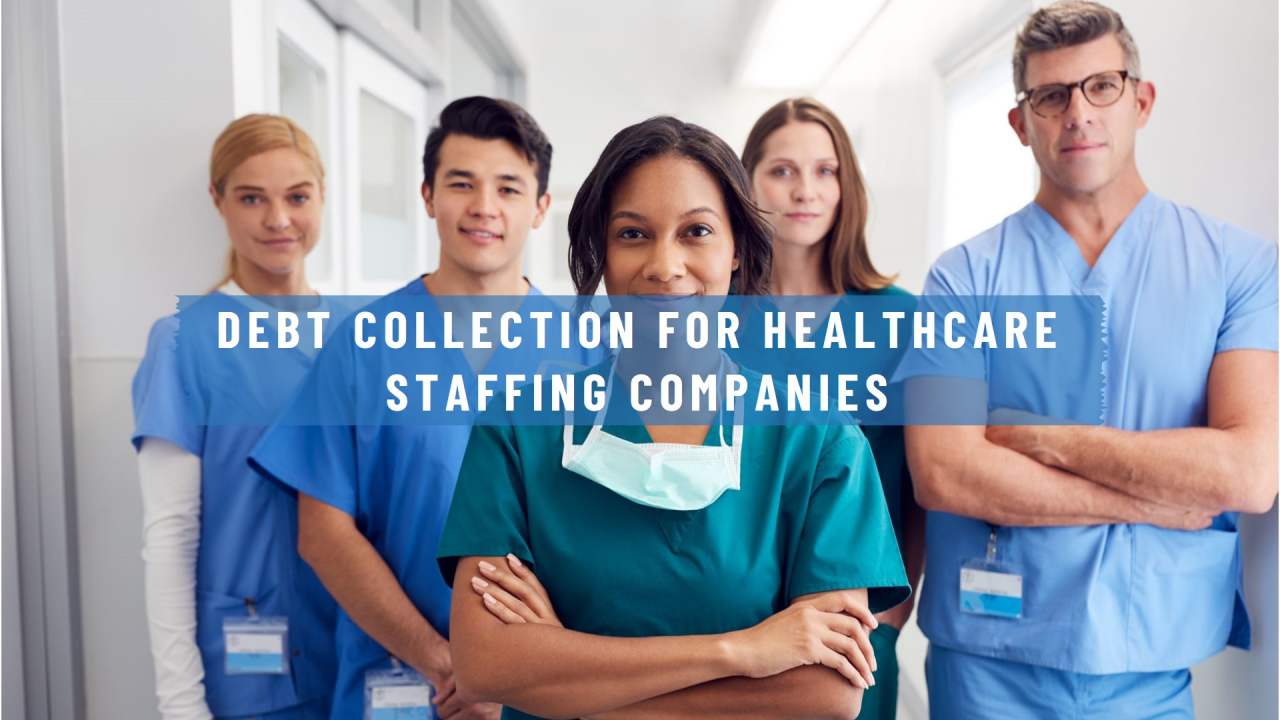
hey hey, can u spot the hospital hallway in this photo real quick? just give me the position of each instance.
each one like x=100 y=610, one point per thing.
x=111 y=109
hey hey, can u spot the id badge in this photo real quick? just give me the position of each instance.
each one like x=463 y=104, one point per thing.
x=990 y=588
x=398 y=693
x=256 y=645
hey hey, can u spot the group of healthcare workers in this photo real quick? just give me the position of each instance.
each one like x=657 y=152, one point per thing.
x=620 y=567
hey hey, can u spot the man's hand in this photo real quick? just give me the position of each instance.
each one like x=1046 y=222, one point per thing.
x=448 y=705
x=1172 y=518
x=452 y=709
x=1028 y=437
x=435 y=663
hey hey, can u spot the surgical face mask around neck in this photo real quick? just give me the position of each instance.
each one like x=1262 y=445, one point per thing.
x=670 y=476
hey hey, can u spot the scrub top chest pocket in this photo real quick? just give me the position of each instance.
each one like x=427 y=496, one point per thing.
x=256 y=645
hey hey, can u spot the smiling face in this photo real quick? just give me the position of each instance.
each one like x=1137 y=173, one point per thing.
x=797 y=181
x=272 y=204
x=485 y=201
x=669 y=232
x=1085 y=149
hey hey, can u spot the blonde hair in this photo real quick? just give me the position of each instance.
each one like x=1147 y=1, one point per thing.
x=253 y=135
x=848 y=262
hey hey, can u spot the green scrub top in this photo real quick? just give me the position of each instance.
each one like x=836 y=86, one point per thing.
x=888 y=442
x=810 y=517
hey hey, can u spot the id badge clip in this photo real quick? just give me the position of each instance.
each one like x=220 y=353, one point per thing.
x=990 y=587
x=256 y=644
x=397 y=693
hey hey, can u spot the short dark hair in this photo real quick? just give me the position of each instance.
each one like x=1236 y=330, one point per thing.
x=486 y=118
x=655 y=137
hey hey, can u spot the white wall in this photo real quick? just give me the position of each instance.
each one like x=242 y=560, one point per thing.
x=147 y=86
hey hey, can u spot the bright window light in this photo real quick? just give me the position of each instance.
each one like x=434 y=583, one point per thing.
x=795 y=43
x=987 y=173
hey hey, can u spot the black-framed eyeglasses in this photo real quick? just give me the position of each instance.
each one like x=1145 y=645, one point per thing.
x=1101 y=90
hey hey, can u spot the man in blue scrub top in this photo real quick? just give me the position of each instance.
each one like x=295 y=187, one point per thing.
x=1124 y=535
x=373 y=499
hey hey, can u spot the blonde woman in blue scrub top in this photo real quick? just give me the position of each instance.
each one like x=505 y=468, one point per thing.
x=588 y=599
x=805 y=175
x=219 y=541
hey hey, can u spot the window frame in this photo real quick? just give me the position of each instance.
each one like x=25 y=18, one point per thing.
x=309 y=33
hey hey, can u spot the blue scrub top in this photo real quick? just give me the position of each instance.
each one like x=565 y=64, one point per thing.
x=809 y=517
x=248 y=527
x=397 y=481
x=1179 y=288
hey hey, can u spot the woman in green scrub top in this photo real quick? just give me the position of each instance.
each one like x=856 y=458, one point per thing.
x=748 y=587
x=805 y=175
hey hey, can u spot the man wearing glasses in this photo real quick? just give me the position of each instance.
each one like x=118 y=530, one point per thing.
x=1115 y=555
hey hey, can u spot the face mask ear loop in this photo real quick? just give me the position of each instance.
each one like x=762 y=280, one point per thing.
x=720 y=424
x=735 y=453
x=724 y=384
x=598 y=422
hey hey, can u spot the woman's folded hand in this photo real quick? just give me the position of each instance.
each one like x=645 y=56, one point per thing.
x=512 y=593
x=829 y=629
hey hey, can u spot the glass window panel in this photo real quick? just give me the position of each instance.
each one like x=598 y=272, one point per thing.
x=304 y=98
x=988 y=174
x=387 y=172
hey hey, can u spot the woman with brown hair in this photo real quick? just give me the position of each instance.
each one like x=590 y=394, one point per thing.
x=805 y=176
x=620 y=566
x=240 y=626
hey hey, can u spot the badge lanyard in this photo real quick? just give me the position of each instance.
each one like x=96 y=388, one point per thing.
x=989 y=586
x=397 y=693
x=255 y=644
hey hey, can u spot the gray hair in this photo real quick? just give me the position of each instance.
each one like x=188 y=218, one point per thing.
x=1067 y=23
